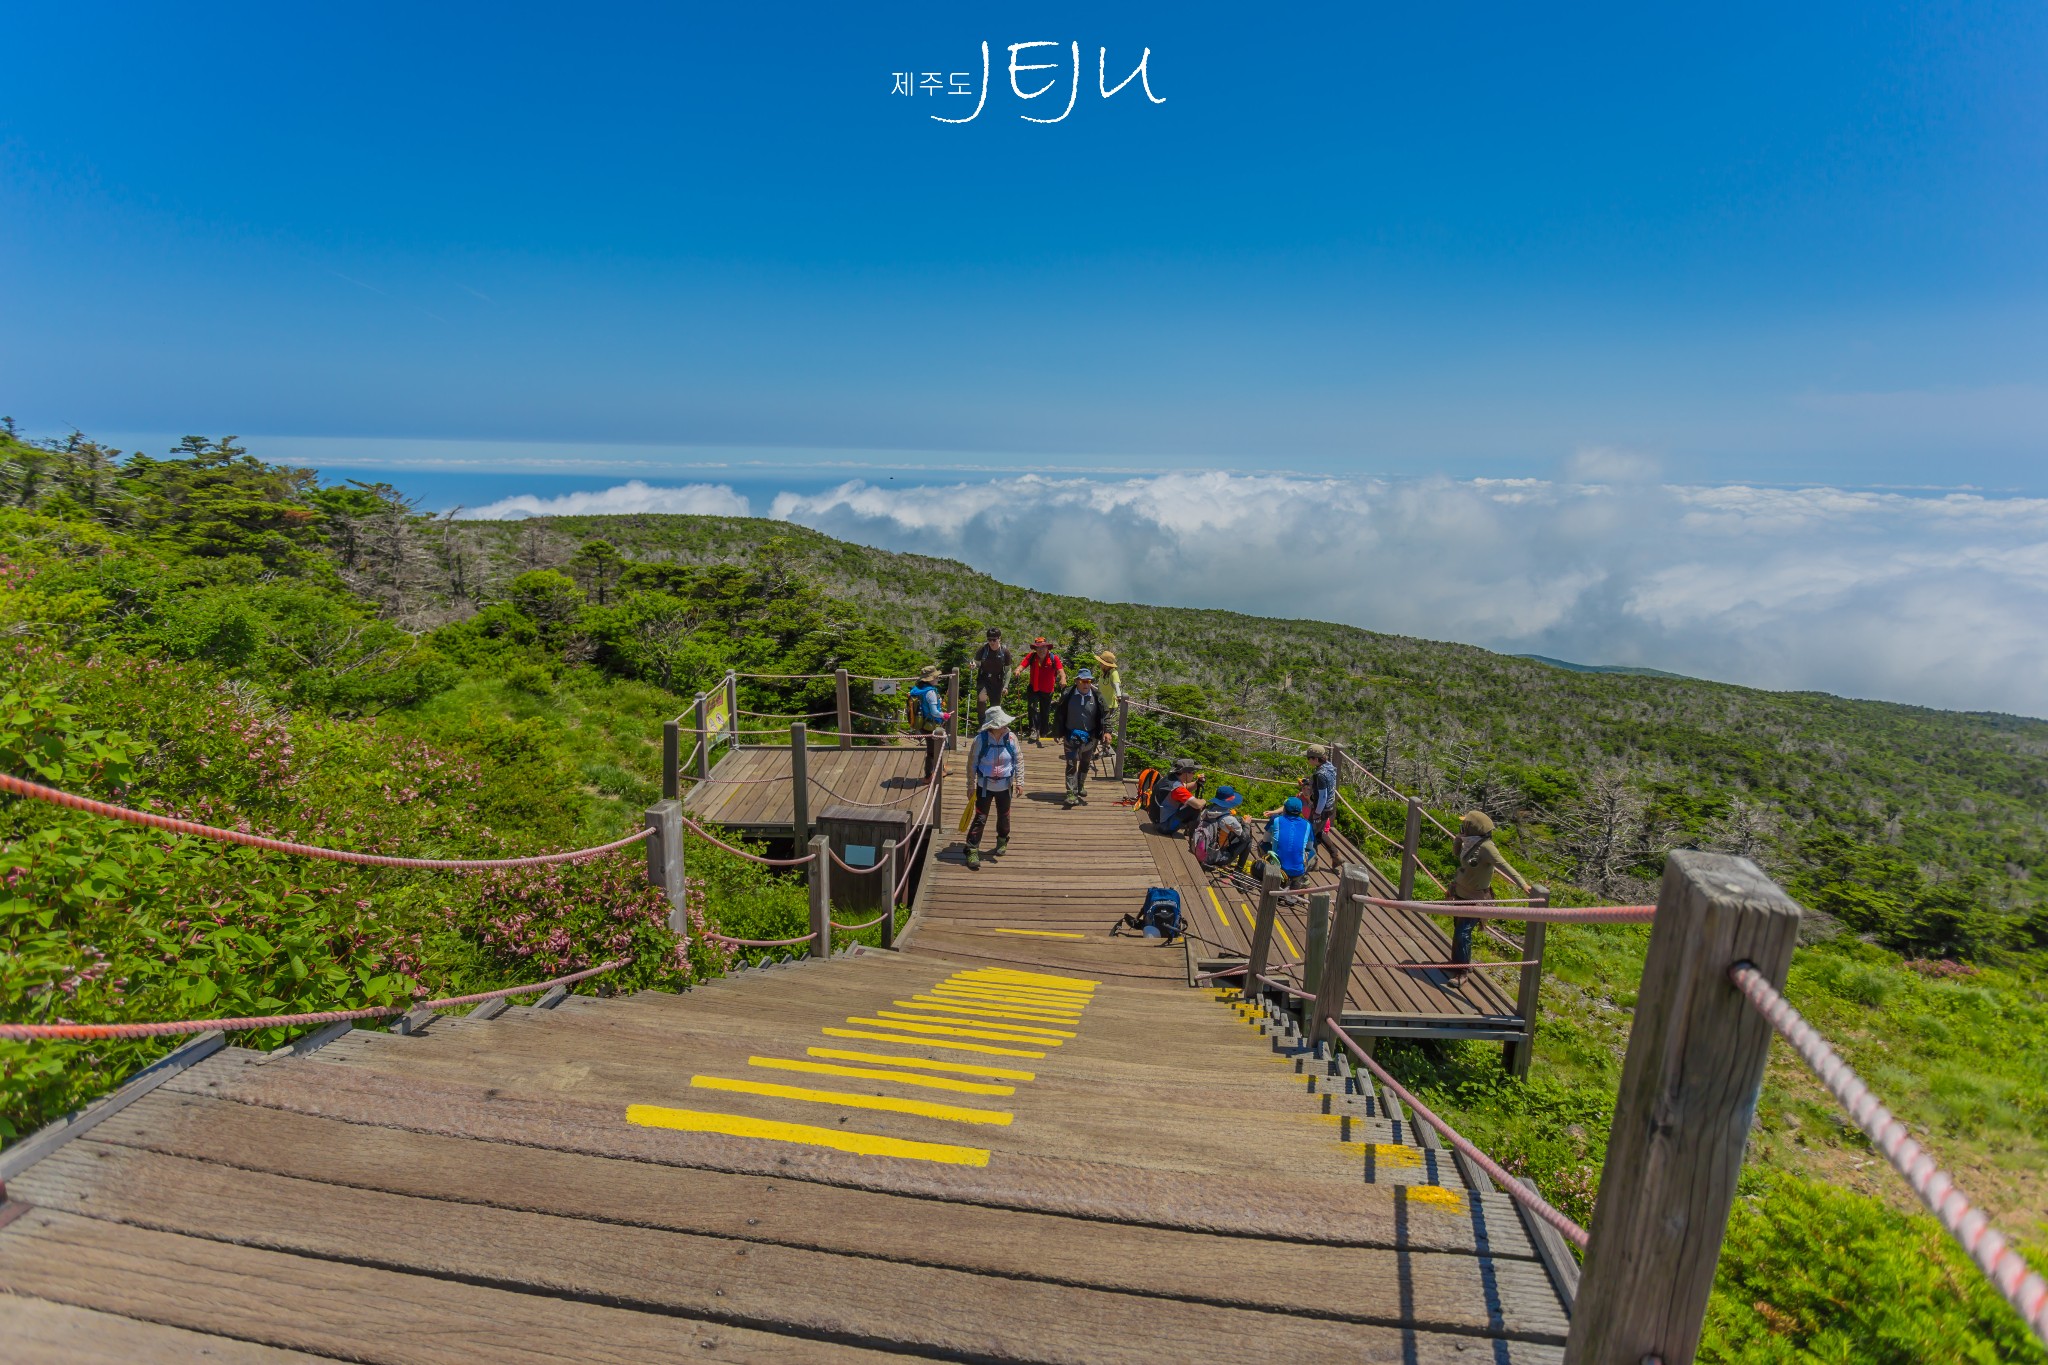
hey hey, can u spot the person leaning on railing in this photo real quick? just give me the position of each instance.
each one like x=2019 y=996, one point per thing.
x=1478 y=860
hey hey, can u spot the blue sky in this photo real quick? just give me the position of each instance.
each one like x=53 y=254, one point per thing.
x=1754 y=244
x=1526 y=294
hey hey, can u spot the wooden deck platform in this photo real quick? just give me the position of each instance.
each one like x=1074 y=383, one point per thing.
x=749 y=789
x=1020 y=1139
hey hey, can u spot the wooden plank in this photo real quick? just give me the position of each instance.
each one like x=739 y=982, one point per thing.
x=56 y=1133
x=39 y=1332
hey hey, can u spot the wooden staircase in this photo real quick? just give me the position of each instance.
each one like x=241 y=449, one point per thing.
x=995 y=1145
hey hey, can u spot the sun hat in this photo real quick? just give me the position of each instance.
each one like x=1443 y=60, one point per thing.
x=1227 y=797
x=1293 y=806
x=1184 y=765
x=996 y=719
x=928 y=673
x=1107 y=658
x=1476 y=822
x=1037 y=642
x=1182 y=794
x=1318 y=753
x=1087 y=673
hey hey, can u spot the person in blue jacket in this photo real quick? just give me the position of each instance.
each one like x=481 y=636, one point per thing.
x=1289 y=838
x=927 y=715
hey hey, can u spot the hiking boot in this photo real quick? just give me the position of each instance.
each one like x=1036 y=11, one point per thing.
x=1081 y=796
x=1002 y=847
x=1071 y=801
x=973 y=858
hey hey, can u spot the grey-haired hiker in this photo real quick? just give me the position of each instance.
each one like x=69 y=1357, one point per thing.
x=995 y=769
x=1078 y=718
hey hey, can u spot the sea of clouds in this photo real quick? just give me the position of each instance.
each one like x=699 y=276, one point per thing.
x=1939 y=600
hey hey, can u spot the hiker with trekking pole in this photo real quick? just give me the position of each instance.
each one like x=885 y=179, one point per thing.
x=1079 y=718
x=1046 y=674
x=995 y=770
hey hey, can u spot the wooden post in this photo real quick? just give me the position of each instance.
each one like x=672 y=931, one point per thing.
x=1338 y=953
x=821 y=896
x=1411 y=849
x=703 y=738
x=1123 y=727
x=845 y=709
x=1262 y=930
x=799 y=784
x=1517 y=1056
x=1313 y=948
x=953 y=709
x=671 y=760
x=1683 y=1114
x=665 y=860
x=892 y=865
x=732 y=707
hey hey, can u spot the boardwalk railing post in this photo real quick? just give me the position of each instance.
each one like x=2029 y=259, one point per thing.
x=799 y=784
x=1262 y=929
x=671 y=759
x=821 y=897
x=1123 y=728
x=1339 y=951
x=1313 y=946
x=703 y=739
x=1688 y=1096
x=1411 y=849
x=1518 y=1055
x=732 y=707
x=892 y=868
x=953 y=709
x=845 y=709
x=665 y=860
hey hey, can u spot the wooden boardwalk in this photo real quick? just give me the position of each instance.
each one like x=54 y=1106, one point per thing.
x=749 y=789
x=1018 y=1139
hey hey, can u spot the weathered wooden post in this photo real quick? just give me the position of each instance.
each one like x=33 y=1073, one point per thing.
x=1682 y=1118
x=1123 y=729
x=665 y=860
x=1313 y=945
x=1262 y=929
x=732 y=707
x=845 y=709
x=953 y=709
x=799 y=784
x=671 y=759
x=1411 y=849
x=1338 y=953
x=703 y=738
x=1516 y=1056
x=892 y=868
x=820 y=869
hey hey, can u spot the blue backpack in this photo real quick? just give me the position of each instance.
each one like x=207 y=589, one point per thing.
x=1159 y=916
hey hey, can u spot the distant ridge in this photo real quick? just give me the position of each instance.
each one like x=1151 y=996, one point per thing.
x=1622 y=669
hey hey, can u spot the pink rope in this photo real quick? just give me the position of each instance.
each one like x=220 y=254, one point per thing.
x=710 y=838
x=915 y=793
x=2022 y=1287
x=1285 y=989
x=33 y=1032
x=849 y=868
x=1389 y=839
x=864 y=924
x=1442 y=966
x=758 y=942
x=1545 y=914
x=1517 y=1191
x=54 y=797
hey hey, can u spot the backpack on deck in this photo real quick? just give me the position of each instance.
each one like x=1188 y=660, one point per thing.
x=1147 y=781
x=1158 y=917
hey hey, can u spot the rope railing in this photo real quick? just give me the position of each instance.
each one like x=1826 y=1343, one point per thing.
x=37 y=792
x=849 y=868
x=711 y=838
x=63 y=1032
x=758 y=942
x=1157 y=709
x=1356 y=814
x=2004 y=1266
x=864 y=924
x=1547 y=914
x=915 y=793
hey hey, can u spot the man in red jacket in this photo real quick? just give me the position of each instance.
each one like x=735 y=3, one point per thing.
x=1046 y=674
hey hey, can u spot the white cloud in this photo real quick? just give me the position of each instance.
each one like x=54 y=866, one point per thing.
x=695 y=499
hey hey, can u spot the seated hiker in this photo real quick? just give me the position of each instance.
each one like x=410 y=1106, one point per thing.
x=1079 y=717
x=925 y=709
x=1220 y=838
x=1478 y=860
x=1198 y=811
x=1289 y=839
x=1183 y=773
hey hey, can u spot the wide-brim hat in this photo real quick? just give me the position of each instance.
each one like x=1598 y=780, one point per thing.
x=929 y=673
x=1087 y=673
x=996 y=719
x=1228 y=797
x=1107 y=658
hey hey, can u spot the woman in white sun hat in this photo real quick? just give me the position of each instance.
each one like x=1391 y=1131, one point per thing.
x=995 y=769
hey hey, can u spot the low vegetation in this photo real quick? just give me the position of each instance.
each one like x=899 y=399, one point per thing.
x=212 y=636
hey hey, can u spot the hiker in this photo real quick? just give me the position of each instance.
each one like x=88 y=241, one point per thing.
x=1319 y=792
x=926 y=711
x=1079 y=718
x=1217 y=837
x=1183 y=778
x=1478 y=859
x=1048 y=674
x=991 y=674
x=1289 y=839
x=1110 y=683
x=994 y=772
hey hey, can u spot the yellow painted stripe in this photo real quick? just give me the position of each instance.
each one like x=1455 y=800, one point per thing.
x=1221 y=918
x=869 y=1073
x=997 y=1034
x=1039 y=933
x=1436 y=1196
x=1050 y=999
x=924 y=1109
x=1008 y=1002
x=768 y=1130
x=1279 y=927
x=941 y=1005
x=1033 y=978
x=956 y=1068
x=1396 y=1154
x=929 y=1042
x=991 y=1023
